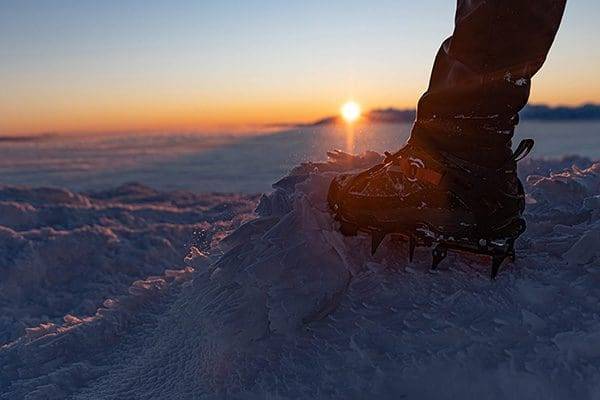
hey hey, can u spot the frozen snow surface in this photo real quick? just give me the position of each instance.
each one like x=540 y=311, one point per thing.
x=64 y=253
x=285 y=307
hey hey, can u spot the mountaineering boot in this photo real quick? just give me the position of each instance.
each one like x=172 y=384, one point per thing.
x=435 y=198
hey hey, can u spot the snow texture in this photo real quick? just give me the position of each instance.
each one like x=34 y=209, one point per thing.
x=293 y=309
x=62 y=252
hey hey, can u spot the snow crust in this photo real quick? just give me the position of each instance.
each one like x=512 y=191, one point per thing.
x=63 y=252
x=293 y=309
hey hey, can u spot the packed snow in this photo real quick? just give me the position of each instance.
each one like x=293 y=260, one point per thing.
x=64 y=253
x=286 y=307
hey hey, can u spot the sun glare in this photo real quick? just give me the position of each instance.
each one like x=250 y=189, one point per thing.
x=350 y=111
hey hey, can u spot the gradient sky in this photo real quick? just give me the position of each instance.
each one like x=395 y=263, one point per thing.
x=83 y=66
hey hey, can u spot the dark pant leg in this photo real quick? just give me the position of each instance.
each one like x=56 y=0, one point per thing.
x=482 y=75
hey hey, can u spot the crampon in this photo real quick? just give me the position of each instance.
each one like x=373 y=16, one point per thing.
x=435 y=201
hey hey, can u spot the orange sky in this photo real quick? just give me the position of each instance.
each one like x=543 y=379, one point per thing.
x=231 y=109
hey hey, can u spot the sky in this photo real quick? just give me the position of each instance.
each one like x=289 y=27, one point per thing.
x=123 y=66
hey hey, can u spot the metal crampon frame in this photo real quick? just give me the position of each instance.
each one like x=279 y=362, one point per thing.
x=499 y=249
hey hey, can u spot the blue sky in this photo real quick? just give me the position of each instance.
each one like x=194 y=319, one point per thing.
x=110 y=65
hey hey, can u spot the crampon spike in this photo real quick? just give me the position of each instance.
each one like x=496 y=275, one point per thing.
x=376 y=239
x=496 y=262
x=439 y=253
x=411 y=248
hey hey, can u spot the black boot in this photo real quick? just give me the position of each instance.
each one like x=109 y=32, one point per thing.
x=454 y=185
x=435 y=199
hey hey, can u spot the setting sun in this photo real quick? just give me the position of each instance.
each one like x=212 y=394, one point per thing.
x=350 y=111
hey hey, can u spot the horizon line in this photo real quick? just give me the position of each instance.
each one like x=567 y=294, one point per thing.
x=236 y=129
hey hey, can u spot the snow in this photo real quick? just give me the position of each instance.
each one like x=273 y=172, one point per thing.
x=246 y=163
x=63 y=252
x=293 y=309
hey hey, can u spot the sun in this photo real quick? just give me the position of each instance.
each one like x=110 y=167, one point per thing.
x=350 y=111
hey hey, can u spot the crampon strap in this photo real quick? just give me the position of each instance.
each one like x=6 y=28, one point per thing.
x=522 y=150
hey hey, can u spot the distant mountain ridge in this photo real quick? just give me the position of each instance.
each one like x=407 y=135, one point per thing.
x=539 y=112
x=544 y=112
